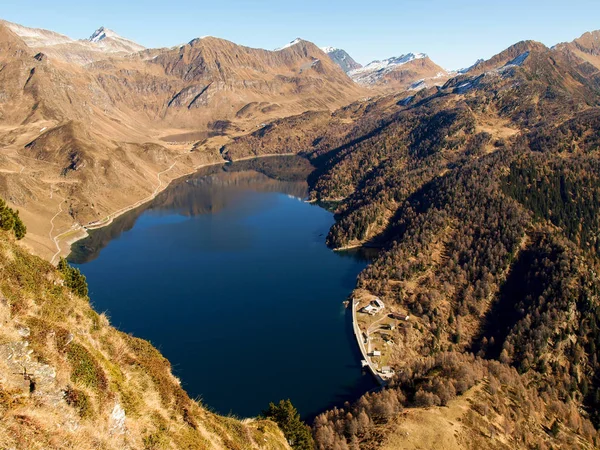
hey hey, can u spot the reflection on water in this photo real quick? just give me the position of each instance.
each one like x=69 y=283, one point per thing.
x=206 y=191
x=227 y=273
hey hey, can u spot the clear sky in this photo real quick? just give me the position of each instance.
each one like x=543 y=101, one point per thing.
x=454 y=33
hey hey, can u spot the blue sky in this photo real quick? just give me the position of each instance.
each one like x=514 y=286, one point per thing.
x=454 y=33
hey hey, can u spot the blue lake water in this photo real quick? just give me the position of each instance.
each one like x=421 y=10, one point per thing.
x=228 y=274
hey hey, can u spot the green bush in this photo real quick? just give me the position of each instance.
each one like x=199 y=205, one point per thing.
x=80 y=401
x=86 y=369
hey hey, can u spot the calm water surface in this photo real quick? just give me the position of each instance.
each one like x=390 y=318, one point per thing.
x=227 y=273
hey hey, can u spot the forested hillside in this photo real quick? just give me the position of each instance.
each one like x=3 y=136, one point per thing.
x=482 y=197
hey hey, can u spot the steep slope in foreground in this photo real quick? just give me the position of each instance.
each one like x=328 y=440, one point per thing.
x=483 y=196
x=70 y=380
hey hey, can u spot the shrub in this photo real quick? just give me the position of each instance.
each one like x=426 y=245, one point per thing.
x=80 y=401
x=86 y=369
x=74 y=279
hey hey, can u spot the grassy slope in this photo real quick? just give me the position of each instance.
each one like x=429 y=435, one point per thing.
x=86 y=374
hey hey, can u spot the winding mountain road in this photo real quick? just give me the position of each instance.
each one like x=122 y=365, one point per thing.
x=54 y=239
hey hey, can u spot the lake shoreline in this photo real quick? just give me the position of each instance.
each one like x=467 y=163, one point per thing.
x=82 y=230
x=231 y=224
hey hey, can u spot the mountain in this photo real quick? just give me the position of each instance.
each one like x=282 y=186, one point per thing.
x=341 y=58
x=481 y=196
x=509 y=56
x=110 y=41
x=410 y=71
x=100 y=45
x=37 y=37
x=96 y=119
x=586 y=47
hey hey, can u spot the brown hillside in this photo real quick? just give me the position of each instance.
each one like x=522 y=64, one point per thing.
x=415 y=74
x=81 y=134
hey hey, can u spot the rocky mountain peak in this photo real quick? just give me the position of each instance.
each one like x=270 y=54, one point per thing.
x=102 y=33
x=341 y=58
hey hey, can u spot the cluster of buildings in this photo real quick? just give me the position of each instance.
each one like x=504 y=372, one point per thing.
x=374 y=307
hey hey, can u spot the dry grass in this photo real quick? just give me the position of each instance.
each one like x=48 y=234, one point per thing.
x=83 y=368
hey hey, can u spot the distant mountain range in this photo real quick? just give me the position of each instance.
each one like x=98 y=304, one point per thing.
x=82 y=51
x=410 y=71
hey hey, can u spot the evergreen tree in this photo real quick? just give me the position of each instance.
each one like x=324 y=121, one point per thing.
x=19 y=227
x=10 y=220
x=74 y=279
x=295 y=431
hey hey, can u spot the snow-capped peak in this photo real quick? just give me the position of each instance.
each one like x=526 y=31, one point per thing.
x=393 y=61
x=341 y=58
x=294 y=42
x=109 y=41
x=387 y=64
x=375 y=70
x=102 y=33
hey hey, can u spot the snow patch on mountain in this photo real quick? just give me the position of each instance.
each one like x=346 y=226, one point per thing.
x=341 y=58
x=102 y=33
x=518 y=61
x=375 y=70
x=294 y=42
x=110 y=41
x=389 y=63
x=36 y=37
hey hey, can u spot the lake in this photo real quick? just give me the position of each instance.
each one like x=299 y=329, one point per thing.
x=228 y=274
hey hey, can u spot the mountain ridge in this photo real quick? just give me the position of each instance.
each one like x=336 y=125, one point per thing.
x=85 y=105
x=480 y=194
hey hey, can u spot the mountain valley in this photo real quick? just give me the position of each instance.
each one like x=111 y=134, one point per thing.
x=477 y=189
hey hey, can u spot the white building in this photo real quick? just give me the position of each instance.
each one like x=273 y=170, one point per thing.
x=387 y=370
x=369 y=309
x=378 y=304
